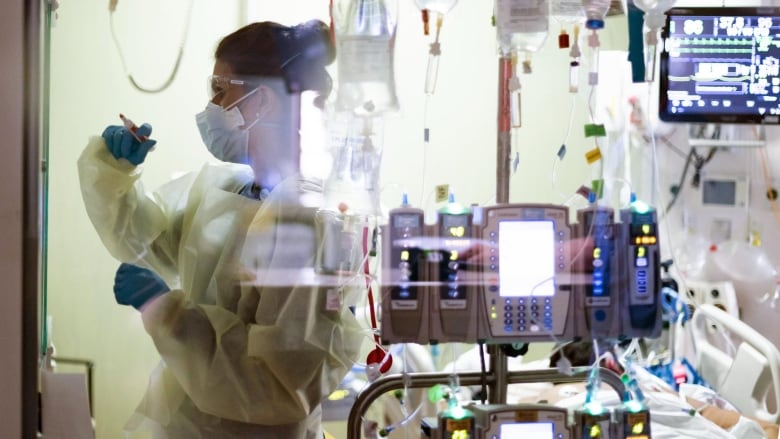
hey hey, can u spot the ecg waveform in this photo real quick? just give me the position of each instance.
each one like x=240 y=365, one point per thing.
x=707 y=78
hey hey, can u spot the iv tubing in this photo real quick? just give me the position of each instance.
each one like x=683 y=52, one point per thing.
x=176 y=64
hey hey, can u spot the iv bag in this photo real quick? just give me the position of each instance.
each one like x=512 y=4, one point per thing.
x=440 y=6
x=365 y=39
x=654 y=11
x=653 y=21
x=521 y=25
x=353 y=182
x=595 y=12
x=567 y=11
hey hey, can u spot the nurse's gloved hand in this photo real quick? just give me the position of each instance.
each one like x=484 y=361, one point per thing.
x=123 y=145
x=136 y=286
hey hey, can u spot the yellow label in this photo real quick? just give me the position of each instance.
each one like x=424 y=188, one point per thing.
x=442 y=193
x=593 y=156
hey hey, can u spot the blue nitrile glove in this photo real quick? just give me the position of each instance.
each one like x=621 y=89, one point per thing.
x=123 y=145
x=135 y=286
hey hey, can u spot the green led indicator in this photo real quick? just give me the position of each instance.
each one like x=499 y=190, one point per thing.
x=594 y=408
x=634 y=406
x=640 y=207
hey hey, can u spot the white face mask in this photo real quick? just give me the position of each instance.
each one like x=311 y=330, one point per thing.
x=224 y=133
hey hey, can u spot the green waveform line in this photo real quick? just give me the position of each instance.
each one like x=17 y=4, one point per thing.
x=708 y=79
x=721 y=78
x=715 y=41
x=713 y=50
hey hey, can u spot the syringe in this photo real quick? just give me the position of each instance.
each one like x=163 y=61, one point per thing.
x=133 y=128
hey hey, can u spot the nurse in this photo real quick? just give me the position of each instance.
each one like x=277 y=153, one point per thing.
x=211 y=259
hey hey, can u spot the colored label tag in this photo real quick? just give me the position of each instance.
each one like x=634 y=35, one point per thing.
x=597 y=186
x=584 y=191
x=562 y=152
x=442 y=193
x=563 y=40
x=595 y=130
x=593 y=155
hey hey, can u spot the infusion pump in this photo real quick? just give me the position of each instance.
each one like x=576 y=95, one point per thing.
x=539 y=421
x=519 y=273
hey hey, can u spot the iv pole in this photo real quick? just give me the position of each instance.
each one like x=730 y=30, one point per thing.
x=498 y=360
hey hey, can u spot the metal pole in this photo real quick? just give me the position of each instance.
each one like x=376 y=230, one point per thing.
x=418 y=380
x=503 y=154
x=498 y=360
x=31 y=253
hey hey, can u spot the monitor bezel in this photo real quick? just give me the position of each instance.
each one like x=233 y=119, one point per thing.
x=663 y=68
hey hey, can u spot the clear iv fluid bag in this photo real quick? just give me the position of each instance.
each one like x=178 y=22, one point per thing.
x=440 y=6
x=653 y=22
x=567 y=11
x=595 y=12
x=654 y=12
x=654 y=6
x=354 y=177
x=365 y=38
x=521 y=25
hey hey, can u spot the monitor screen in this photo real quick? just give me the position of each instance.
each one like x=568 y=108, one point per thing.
x=526 y=252
x=719 y=192
x=720 y=65
x=534 y=430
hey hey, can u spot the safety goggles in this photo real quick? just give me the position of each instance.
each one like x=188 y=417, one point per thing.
x=217 y=84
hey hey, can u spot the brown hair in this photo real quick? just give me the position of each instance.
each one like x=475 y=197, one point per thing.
x=298 y=54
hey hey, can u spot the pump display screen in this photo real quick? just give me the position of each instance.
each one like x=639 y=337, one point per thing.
x=720 y=65
x=535 y=430
x=527 y=258
x=455 y=226
x=406 y=221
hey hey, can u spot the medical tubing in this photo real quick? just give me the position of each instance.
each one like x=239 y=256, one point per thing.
x=434 y=54
x=406 y=379
x=625 y=183
x=370 y=289
x=426 y=143
x=681 y=182
x=651 y=42
x=558 y=158
x=631 y=348
x=433 y=68
x=768 y=183
x=483 y=370
x=514 y=91
x=387 y=430
x=593 y=378
x=657 y=189
x=176 y=64
x=633 y=382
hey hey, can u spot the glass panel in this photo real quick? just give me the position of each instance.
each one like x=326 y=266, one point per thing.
x=256 y=289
